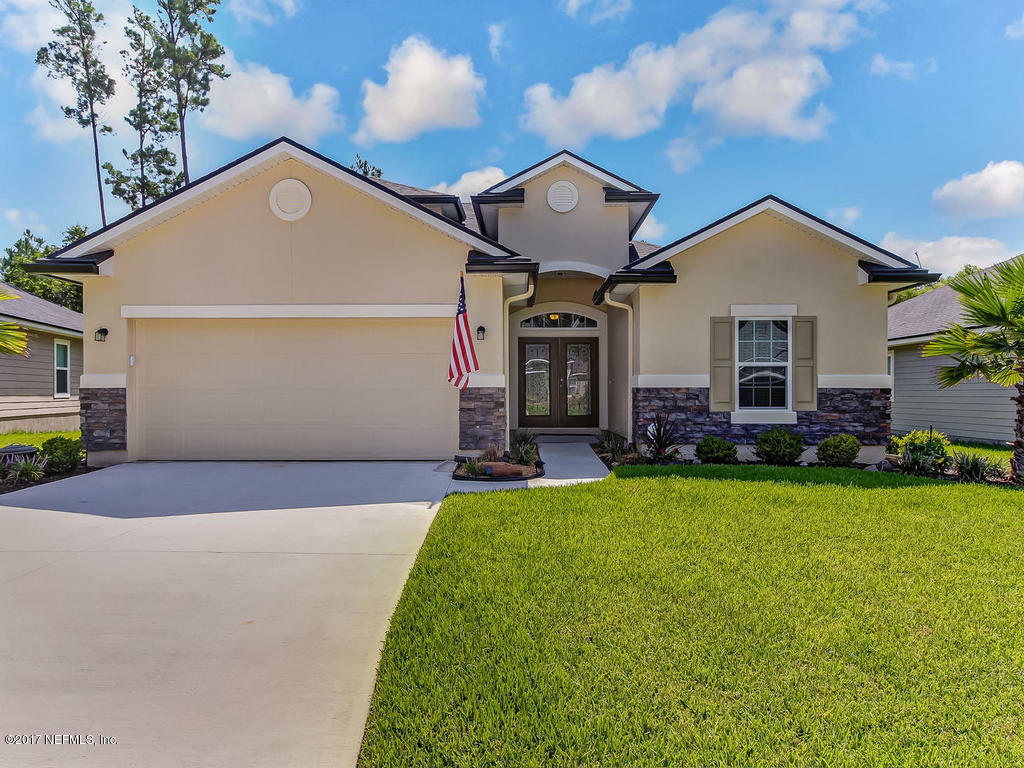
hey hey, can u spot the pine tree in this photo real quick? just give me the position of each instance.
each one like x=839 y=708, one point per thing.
x=74 y=55
x=152 y=165
x=190 y=54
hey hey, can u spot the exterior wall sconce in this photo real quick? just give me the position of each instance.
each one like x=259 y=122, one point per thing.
x=101 y=334
x=480 y=333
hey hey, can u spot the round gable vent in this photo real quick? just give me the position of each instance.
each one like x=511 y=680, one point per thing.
x=290 y=199
x=563 y=196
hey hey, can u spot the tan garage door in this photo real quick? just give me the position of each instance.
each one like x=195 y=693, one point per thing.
x=293 y=389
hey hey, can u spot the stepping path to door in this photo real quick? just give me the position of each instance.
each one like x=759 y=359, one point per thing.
x=565 y=463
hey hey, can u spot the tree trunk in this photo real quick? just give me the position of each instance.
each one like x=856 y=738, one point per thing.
x=184 y=152
x=96 y=157
x=1017 y=462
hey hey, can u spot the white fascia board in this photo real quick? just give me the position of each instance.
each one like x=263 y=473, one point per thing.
x=786 y=212
x=260 y=311
x=162 y=211
x=559 y=159
x=55 y=330
x=911 y=340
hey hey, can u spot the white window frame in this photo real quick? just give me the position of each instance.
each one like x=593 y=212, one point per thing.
x=61 y=343
x=890 y=368
x=788 y=366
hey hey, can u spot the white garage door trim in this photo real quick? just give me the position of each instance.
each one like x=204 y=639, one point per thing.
x=257 y=311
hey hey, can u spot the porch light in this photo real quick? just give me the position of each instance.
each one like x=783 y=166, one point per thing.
x=480 y=333
x=553 y=316
x=101 y=334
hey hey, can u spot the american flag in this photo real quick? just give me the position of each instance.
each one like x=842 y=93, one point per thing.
x=463 y=361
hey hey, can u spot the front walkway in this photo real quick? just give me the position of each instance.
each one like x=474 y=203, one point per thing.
x=205 y=614
x=566 y=462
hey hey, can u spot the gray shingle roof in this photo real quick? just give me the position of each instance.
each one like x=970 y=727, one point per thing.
x=405 y=189
x=924 y=315
x=35 y=310
x=643 y=248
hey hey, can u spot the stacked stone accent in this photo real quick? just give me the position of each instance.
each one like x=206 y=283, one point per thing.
x=863 y=413
x=481 y=418
x=104 y=414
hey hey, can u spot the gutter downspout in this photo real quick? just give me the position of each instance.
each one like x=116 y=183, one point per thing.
x=629 y=360
x=531 y=286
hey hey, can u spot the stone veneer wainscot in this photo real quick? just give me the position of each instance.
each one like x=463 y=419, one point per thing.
x=104 y=416
x=481 y=418
x=863 y=413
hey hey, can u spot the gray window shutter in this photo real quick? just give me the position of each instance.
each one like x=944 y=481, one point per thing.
x=722 y=369
x=805 y=370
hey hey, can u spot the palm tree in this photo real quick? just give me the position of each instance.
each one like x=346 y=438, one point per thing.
x=13 y=340
x=990 y=341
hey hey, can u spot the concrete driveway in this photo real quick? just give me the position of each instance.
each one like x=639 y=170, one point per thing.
x=203 y=614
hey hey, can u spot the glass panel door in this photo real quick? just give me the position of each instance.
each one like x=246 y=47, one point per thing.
x=577 y=379
x=537 y=382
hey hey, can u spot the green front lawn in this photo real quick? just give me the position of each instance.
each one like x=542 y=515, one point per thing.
x=35 y=438
x=714 y=619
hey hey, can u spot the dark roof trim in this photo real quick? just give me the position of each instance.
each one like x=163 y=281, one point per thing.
x=573 y=155
x=82 y=265
x=481 y=262
x=792 y=207
x=640 y=277
x=917 y=275
x=250 y=155
x=512 y=197
x=613 y=195
x=443 y=201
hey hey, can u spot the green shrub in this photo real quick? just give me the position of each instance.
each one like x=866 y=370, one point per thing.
x=24 y=469
x=523 y=449
x=779 y=447
x=612 y=447
x=838 y=451
x=715 y=450
x=62 y=454
x=975 y=468
x=473 y=468
x=929 y=448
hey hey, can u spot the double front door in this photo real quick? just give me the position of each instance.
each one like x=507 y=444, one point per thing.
x=558 y=382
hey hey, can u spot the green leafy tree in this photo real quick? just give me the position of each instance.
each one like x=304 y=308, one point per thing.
x=990 y=342
x=74 y=56
x=366 y=168
x=190 y=54
x=30 y=247
x=909 y=293
x=152 y=166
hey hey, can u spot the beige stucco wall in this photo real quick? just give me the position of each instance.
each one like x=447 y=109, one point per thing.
x=762 y=261
x=592 y=232
x=349 y=249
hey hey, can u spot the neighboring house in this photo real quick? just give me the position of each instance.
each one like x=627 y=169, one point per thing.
x=975 y=410
x=39 y=391
x=286 y=307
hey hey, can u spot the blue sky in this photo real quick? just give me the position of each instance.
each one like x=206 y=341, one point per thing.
x=901 y=121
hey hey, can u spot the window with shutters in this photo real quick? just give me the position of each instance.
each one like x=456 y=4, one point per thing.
x=764 y=363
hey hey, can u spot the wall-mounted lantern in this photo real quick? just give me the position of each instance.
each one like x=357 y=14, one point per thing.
x=480 y=333
x=101 y=334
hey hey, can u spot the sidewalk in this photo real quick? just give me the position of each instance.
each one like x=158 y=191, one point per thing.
x=565 y=463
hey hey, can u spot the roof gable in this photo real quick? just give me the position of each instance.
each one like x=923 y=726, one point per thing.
x=249 y=166
x=565 y=157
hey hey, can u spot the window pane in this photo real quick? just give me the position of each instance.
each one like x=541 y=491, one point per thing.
x=746 y=351
x=763 y=341
x=61 y=386
x=762 y=386
x=60 y=352
x=537 y=367
x=577 y=379
x=746 y=330
x=558 y=320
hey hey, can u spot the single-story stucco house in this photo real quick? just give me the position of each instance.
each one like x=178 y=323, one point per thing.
x=286 y=307
x=39 y=391
x=974 y=410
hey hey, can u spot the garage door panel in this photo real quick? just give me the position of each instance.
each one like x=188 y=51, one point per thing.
x=302 y=389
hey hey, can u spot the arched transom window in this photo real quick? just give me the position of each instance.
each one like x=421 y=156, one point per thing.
x=558 y=320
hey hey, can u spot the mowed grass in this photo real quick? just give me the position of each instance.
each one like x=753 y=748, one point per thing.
x=35 y=438
x=705 y=621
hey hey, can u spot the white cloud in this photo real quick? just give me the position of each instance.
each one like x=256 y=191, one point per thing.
x=426 y=89
x=263 y=11
x=597 y=10
x=256 y=101
x=496 y=40
x=880 y=65
x=751 y=72
x=682 y=153
x=27 y=24
x=22 y=218
x=996 y=190
x=472 y=182
x=948 y=254
x=845 y=216
x=651 y=230
x=1015 y=30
